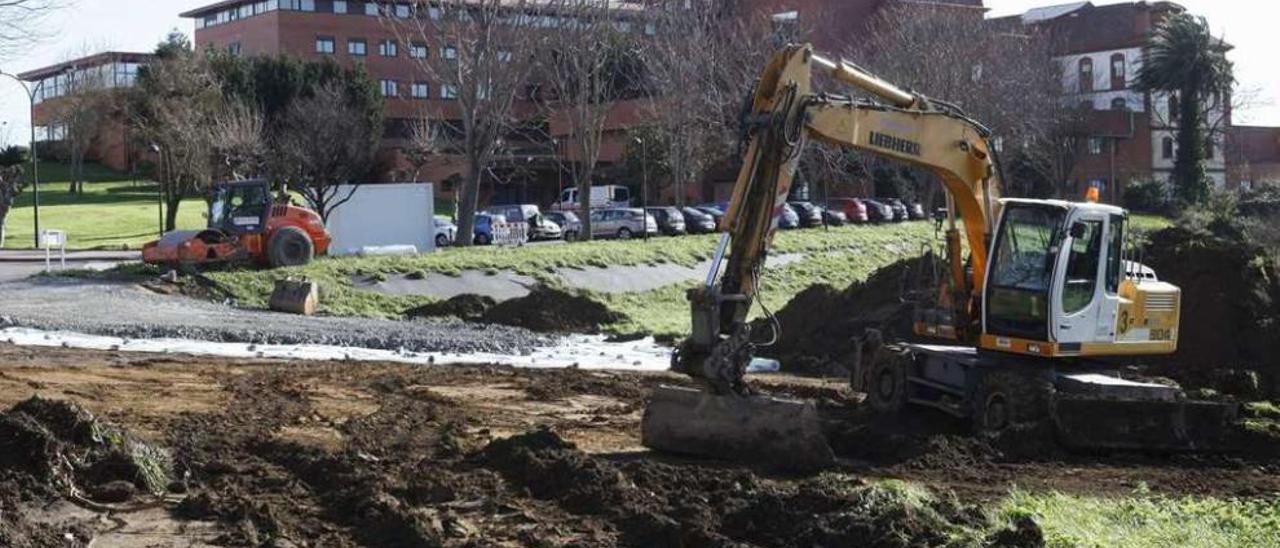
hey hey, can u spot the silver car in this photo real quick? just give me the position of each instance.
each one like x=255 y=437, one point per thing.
x=622 y=223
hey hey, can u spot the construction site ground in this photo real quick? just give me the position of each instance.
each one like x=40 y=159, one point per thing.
x=340 y=453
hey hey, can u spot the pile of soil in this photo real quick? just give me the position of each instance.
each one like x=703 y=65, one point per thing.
x=465 y=307
x=552 y=310
x=1230 y=306
x=60 y=448
x=648 y=503
x=820 y=326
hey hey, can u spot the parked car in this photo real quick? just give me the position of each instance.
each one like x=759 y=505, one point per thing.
x=484 y=227
x=540 y=228
x=716 y=213
x=834 y=217
x=670 y=221
x=854 y=210
x=788 y=218
x=810 y=215
x=622 y=223
x=604 y=196
x=697 y=221
x=570 y=224
x=916 y=212
x=900 y=212
x=446 y=232
x=878 y=212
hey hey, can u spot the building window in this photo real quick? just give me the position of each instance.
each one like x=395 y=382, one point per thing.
x=233 y=48
x=1166 y=148
x=448 y=92
x=1095 y=145
x=1119 y=103
x=402 y=11
x=433 y=12
x=450 y=53
x=418 y=50
x=390 y=88
x=504 y=56
x=420 y=90
x=324 y=45
x=388 y=48
x=1173 y=109
x=298 y=5
x=357 y=47
x=1085 y=75
x=339 y=6
x=1117 y=71
x=371 y=8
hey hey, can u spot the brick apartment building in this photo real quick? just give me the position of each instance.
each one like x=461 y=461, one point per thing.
x=1131 y=135
x=356 y=32
x=1253 y=154
x=108 y=72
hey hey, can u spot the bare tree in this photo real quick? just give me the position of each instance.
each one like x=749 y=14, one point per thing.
x=86 y=106
x=480 y=54
x=323 y=146
x=701 y=63
x=238 y=138
x=21 y=22
x=12 y=183
x=590 y=62
x=175 y=103
x=1008 y=81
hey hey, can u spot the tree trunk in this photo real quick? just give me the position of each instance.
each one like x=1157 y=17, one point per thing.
x=172 y=201
x=1189 y=176
x=468 y=201
x=584 y=203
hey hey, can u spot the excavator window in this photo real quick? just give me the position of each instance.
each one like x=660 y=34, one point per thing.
x=1022 y=271
x=1115 y=253
x=1082 y=268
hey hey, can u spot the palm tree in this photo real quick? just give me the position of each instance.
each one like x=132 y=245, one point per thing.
x=1185 y=59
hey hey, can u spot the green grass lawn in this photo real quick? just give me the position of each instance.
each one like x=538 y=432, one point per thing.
x=1144 y=520
x=838 y=257
x=114 y=211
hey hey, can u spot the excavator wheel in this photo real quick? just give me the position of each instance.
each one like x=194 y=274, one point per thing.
x=290 y=246
x=886 y=379
x=1004 y=398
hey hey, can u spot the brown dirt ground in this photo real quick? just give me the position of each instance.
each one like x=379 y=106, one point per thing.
x=348 y=454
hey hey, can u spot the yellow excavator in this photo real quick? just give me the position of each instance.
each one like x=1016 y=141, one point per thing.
x=1029 y=323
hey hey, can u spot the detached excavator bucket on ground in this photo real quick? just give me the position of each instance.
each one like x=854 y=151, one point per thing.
x=1092 y=411
x=776 y=433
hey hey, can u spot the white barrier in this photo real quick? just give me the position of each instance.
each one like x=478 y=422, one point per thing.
x=510 y=234
x=50 y=240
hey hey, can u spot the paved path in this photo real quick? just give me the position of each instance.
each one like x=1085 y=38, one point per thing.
x=129 y=311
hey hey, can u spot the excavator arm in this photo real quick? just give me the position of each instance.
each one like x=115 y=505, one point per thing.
x=785 y=113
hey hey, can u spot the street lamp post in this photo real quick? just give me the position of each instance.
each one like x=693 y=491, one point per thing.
x=160 y=189
x=644 y=180
x=35 y=158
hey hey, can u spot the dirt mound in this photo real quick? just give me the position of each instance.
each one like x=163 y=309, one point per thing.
x=61 y=448
x=552 y=310
x=1230 y=303
x=820 y=325
x=466 y=307
x=655 y=504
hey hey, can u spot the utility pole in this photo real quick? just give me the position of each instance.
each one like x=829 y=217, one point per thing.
x=644 y=183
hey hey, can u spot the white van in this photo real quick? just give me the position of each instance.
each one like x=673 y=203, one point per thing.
x=606 y=196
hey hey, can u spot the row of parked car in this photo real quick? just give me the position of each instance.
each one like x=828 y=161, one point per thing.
x=627 y=222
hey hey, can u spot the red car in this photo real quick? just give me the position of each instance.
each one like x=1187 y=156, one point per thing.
x=852 y=208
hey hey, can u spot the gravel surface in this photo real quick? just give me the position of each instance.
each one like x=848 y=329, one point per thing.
x=128 y=311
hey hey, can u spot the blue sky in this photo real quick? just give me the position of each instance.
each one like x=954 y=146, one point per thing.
x=137 y=25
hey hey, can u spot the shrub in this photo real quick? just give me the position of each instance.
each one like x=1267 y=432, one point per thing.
x=13 y=155
x=1148 y=196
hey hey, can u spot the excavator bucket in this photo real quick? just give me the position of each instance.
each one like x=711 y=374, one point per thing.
x=777 y=433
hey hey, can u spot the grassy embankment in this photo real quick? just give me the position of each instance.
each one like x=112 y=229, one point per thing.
x=838 y=257
x=115 y=211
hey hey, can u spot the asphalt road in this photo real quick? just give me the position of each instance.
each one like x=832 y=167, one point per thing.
x=129 y=311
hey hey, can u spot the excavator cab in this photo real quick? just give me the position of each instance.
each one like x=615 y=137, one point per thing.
x=1058 y=286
